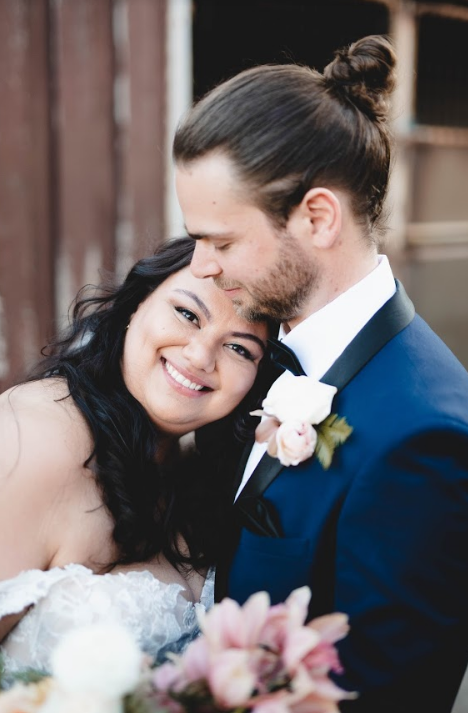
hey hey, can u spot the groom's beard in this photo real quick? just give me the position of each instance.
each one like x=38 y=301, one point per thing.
x=283 y=293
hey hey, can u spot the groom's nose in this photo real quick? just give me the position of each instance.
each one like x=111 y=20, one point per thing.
x=204 y=263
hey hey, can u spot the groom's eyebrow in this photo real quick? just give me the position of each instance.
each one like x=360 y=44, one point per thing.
x=197 y=301
x=210 y=236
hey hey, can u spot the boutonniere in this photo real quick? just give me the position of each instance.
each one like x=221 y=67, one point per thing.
x=291 y=409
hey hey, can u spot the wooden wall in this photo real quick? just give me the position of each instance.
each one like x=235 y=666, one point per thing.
x=82 y=146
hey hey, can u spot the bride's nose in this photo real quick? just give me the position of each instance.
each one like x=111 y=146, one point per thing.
x=201 y=353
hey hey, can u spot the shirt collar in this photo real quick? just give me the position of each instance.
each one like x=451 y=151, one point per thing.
x=319 y=339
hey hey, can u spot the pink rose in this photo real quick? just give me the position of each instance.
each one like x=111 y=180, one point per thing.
x=295 y=442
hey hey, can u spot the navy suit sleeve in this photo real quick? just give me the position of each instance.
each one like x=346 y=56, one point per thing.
x=402 y=576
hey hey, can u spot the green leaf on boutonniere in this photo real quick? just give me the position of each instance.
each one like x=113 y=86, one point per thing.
x=332 y=432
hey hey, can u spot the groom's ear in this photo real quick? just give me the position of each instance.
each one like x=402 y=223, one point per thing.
x=318 y=217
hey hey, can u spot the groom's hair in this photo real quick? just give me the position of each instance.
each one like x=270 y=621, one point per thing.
x=151 y=507
x=288 y=128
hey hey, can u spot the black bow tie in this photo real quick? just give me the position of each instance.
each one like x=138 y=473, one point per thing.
x=285 y=357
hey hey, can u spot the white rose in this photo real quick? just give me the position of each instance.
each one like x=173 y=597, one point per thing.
x=295 y=442
x=299 y=398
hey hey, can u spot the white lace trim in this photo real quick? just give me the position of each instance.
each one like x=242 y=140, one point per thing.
x=157 y=613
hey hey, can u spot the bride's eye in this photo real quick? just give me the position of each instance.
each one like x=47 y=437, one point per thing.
x=242 y=351
x=187 y=314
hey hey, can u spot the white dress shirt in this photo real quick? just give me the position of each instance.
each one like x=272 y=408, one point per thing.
x=319 y=340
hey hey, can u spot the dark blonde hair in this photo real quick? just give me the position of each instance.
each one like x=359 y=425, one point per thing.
x=289 y=128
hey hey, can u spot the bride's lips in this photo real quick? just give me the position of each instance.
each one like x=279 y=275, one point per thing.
x=174 y=374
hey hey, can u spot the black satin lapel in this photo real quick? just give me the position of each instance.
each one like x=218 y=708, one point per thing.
x=252 y=512
x=264 y=474
x=240 y=468
x=255 y=513
x=391 y=318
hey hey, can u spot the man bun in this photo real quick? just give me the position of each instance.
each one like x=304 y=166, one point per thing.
x=365 y=73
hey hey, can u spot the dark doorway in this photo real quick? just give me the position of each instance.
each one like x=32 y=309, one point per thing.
x=229 y=36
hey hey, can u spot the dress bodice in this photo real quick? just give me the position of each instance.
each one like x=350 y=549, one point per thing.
x=63 y=598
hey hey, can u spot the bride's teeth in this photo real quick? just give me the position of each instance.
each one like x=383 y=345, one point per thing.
x=181 y=379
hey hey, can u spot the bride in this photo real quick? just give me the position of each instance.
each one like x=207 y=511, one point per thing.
x=102 y=515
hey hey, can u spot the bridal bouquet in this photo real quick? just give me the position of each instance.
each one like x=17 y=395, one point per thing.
x=257 y=658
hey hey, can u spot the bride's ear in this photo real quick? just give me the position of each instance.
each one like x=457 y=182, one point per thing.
x=318 y=218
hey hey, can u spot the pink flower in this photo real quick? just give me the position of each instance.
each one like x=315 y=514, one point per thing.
x=291 y=442
x=295 y=442
x=314 y=703
x=299 y=643
x=266 y=429
x=297 y=605
x=324 y=657
x=273 y=705
x=331 y=627
x=195 y=663
x=317 y=694
x=231 y=678
x=320 y=697
x=168 y=677
x=227 y=625
x=282 y=618
x=220 y=625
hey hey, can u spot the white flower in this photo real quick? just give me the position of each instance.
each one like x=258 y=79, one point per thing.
x=60 y=702
x=299 y=398
x=295 y=442
x=94 y=667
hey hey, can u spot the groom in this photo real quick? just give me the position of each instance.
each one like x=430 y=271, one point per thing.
x=281 y=175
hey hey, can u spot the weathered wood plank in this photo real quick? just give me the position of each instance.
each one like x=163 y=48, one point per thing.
x=84 y=130
x=139 y=34
x=25 y=235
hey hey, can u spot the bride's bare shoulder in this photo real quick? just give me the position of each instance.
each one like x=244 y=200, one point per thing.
x=41 y=427
x=44 y=485
x=40 y=394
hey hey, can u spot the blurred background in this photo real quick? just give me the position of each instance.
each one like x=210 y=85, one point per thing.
x=91 y=91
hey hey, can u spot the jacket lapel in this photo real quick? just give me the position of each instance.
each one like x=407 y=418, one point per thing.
x=240 y=468
x=391 y=319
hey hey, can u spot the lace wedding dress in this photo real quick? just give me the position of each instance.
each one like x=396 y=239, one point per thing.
x=64 y=598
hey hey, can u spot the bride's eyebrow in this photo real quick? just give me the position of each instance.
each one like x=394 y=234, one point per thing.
x=247 y=335
x=197 y=301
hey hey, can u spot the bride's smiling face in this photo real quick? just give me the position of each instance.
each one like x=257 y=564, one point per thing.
x=188 y=358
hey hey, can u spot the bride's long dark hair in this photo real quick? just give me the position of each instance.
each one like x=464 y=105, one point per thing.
x=153 y=506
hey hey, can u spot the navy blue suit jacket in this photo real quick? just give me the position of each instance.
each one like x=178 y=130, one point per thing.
x=383 y=534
